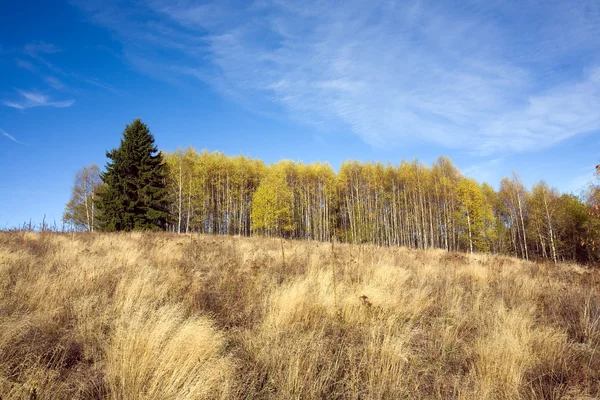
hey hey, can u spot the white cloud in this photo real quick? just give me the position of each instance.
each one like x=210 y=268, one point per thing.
x=486 y=171
x=54 y=82
x=548 y=118
x=35 y=99
x=35 y=58
x=41 y=47
x=582 y=182
x=5 y=134
x=484 y=76
x=25 y=65
x=37 y=54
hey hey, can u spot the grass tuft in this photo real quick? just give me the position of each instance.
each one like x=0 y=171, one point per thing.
x=161 y=316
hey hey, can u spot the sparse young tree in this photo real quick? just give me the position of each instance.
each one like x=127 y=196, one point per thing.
x=542 y=205
x=471 y=210
x=80 y=211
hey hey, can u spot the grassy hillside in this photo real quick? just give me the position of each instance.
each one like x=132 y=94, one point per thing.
x=158 y=316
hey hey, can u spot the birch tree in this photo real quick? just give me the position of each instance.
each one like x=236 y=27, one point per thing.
x=80 y=211
x=272 y=205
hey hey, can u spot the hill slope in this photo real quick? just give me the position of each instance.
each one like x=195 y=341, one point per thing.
x=159 y=316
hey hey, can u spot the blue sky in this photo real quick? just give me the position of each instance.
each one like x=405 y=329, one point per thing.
x=495 y=85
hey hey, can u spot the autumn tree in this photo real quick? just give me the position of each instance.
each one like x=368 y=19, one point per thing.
x=272 y=204
x=180 y=183
x=475 y=214
x=496 y=230
x=513 y=196
x=409 y=204
x=317 y=187
x=593 y=223
x=80 y=211
x=593 y=195
x=543 y=202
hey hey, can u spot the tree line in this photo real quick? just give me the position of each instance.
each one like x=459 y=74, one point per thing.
x=410 y=204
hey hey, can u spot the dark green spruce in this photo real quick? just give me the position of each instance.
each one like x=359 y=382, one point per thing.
x=135 y=196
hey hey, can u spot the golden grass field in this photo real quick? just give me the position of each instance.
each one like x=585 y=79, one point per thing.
x=161 y=316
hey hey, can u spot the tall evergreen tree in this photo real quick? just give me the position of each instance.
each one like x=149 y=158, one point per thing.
x=135 y=197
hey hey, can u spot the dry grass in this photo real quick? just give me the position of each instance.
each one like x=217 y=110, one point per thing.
x=159 y=316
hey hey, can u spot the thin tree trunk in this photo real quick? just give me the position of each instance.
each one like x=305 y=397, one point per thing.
x=87 y=207
x=470 y=237
x=550 y=231
x=93 y=209
x=523 y=226
x=189 y=210
x=180 y=193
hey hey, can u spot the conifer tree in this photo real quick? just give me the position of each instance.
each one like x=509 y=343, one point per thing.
x=135 y=197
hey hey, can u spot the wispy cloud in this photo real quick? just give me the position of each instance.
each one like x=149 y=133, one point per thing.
x=54 y=82
x=39 y=51
x=35 y=99
x=5 y=134
x=484 y=76
x=25 y=64
x=40 y=47
x=38 y=55
x=580 y=183
x=485 y=171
